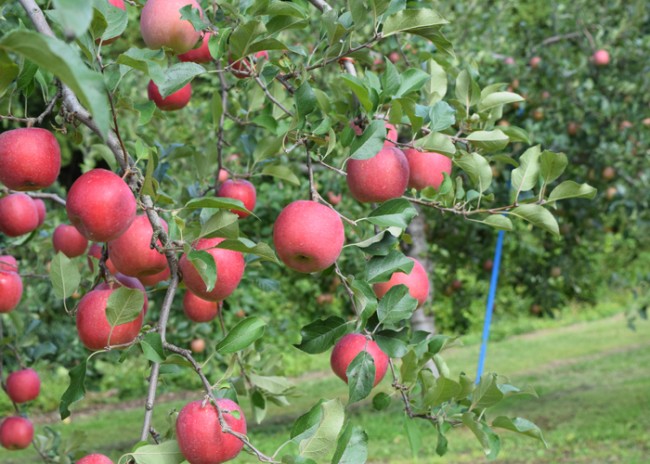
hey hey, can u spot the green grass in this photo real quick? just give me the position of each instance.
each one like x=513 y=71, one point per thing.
x=592 y=379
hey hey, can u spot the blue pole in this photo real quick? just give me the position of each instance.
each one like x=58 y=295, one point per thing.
x=494 y=280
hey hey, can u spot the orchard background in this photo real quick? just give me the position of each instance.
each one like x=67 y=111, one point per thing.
x=547 y=142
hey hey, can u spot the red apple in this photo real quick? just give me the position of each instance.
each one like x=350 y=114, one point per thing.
x=239 y=190
x=199 y=310
x=8 y=263
x=173 y=102
x=200 y=436
x=197 y=345
x=334 y=198
x=391 y=132
x=426 y=169
x=535 y=61
x=155 y=279
x=308 y=236
x=100 y=205
x=161 y=25
x=509 y=61
x=609 y=173
x=417 y=282
x=95 y=251
x=131 y=252
x=242 y=68
x=348 y=347
x=40 y=207
x=95 y=459
x=92 y=323
x=69 y=241
x=223 y=175
x=394 y=57
x=30 y=158
x=23 y=386
x=600 y=58
x=18 y=215
x=572 y=128
x=200 y=54
x=263 y=55
x=117 y=4
x=16 y=433
x=11 y=284
x=379 y=178
x=230 y=269
x=488 y=264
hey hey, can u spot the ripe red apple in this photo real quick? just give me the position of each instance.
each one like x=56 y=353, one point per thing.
x=263 y=55
x=600 y=58
x=117 y=4
x=11 y=284
x=155 y=279
x=379 y=178
x=100 y=205
x=30 y=158
x=95 y=251
x=394 y=57
x=173 y=102
x=509 y=61
x=223 y=175
x=625 y=125
x=18 y=215
x=16 y=433
x=611 y=192
x=334 y=198
x=241 y=68
x=40 y=207
x=417 y=282
x=239 y=190
x=426 y=169
x=199 y=310
x=535 y=61
x=197 y=345
x=95 y=459
x=609 y=173
x=92 y=323
x=200 y=54
x=646 y=122
x=230 y=269
x=391 y=132
x=200 y=436
x=348 y=347
x=308 y=236
x=131 y=252
x=23 y=385
x=161 y=25
x=69 y=241
x=456 y=284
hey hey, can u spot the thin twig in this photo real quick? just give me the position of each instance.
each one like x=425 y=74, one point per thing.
x=271 y=97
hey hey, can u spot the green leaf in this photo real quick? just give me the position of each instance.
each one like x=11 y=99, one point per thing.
x=552 y=165
x=352 y=446
x=441 y=446
x=244 y=334
x=244 y=36
x=361 y=376
x=444 y=390
x=178 y=76
x=64 y=275
x=124 y=305
x=305 y=99
x=364 y=299
x=495 y=99
x=396 y=305
x=390 y=80
x=571 y=189
x=59 y=58
x=381 y=401
x=397 y=212
x=515 y=134
x=520 y=425
x=8 y=71
x=498 y=221
x=322 y=442
x=281 y=171
x=116 y=20
x=436 y=89
x=76 y=390
x=489 y=140
x=245 y=245
x=320 y=336
x=413 y=79
x=437 y=142
x=477 y=168
x=538 y=216
x=377 y=245
x=306 y=425
x=222 y=224
x=360 y=90
x=73 y=16
x=413 y=434
x=167 y=452
x=525 y=177
x=274 y=385
x=392 y=342
x=381 y=268
x=205 y=265
x=216 y=203
x=370 y=143
x=152 y=347
x=442 y=116
x=487 y=392
x=258 y=402
x=467 y=91
x=486 y=437
x=407 y=20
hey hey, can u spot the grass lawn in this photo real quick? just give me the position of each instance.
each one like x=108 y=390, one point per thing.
x=592 y=378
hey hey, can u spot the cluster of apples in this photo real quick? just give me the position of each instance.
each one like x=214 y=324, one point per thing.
x=17 y=432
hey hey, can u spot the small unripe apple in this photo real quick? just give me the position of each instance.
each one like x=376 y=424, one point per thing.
x=240 y=314
x=100 y=205
x=380 y=178
x=348 y=347
x=308 y=236
x=503 y=123
x=609 y=173
x=69 y=241
x=611 y=192
x=197 y=345
x=95 y=251
x=394 y=57
x=536 y=309
x=624 y=125
x=426 y=169
x=161 y=25
x=95 y=459
x=199 y=310
x=200 y=436
x=417 y=282
x=334 y=198
x=16 y=433
x=538 y=114
x=172 y=102
x=600 y=57
x=18 y=215
x=325 y=298
x=223 y=175
x=456 y=284
x=488 y=264
x=556 y=271
x=239 y=190
x=30 y=158
x=510 y=61
x=230 y=269
x=131 y=252
x=200 y=54
x=11 y=286
x=535 y=61
x=23 y=385
x=155 y=279
x=572 y=128
x=546 y=95
x=40 y=207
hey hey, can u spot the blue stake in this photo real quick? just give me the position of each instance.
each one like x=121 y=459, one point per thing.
x=494 y=280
